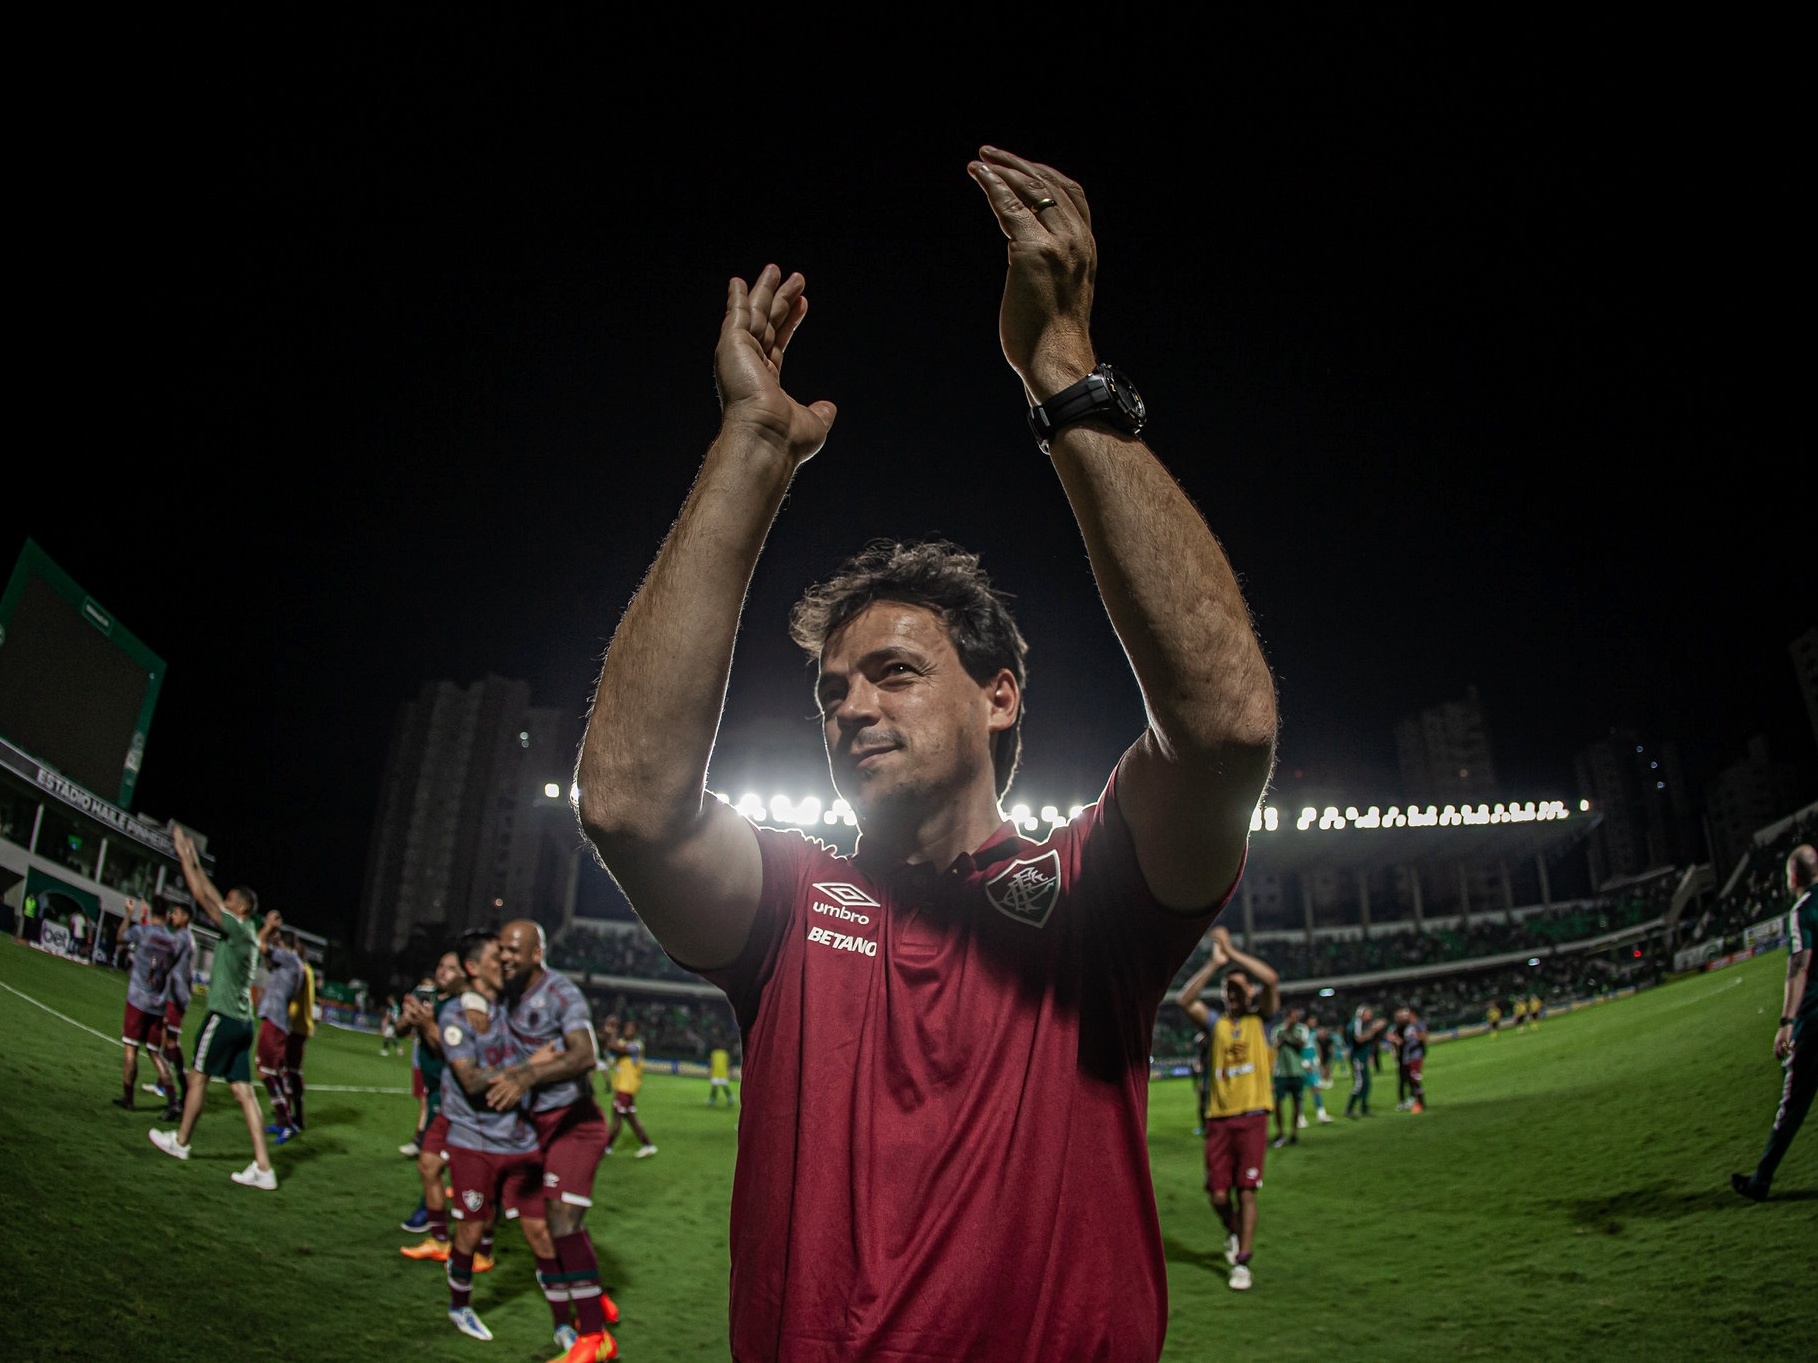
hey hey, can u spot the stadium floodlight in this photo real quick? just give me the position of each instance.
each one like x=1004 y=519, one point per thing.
x=1533 y=960
x=1584 y=806
x=1051 y=815
x=1327 y=992
x=552 y=791
x=1075 y=811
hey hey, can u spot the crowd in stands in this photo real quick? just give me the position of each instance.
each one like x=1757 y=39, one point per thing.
x=581 y=951
x=1760 y=892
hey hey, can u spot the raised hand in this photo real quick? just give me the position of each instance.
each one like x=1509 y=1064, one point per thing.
x=1044 y=322
x=760 y=321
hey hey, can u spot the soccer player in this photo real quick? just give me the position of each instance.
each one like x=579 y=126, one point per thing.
x=302 y=1028
x=1535 y=1008
x=283 y=978
x=425 y=992
x=1519 y=1009
x=1316 y=1082
x=492 y=1152
x=1411 y=1060
x=1493 y=1016
x=550 y=1016
x=388 y=1026
x=1796 y=1039
x=424 y=1023
x=947 y=1034
x=627 y=1078
x=719 y=1076
x=1362 y=1034
x=226 y=1036
x=154 y=948
x=1239 y=1102
x=177 y=987
x=1288 y=1076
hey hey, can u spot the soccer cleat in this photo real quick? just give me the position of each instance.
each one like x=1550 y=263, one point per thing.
x=173 y=1113
x=594 y=1348
x=468 y=1323
x=1325 y=1117
x=1278 y=1142
x=565 y=1337
x=431 y=1248
x=1231 y=1249
x=646 y=1151
x=609 y=1308
x=1418 y=1107
x=252 y=1176
x=1301 y=1120
x=155 y=1088
x=417 y=1222
x=482 y=1263
x=1239 y=1280
x=273 y=1128
x=167 y=1142
x=1745 y=1184
x=282 y=1134
x=410 y=1148
x=126 y=1103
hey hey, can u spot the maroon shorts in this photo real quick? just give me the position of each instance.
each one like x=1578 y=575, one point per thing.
x=173 y=1020
x=271 y=1047
x=435 y=1136
x=293 y=1050
x=1414 y=1068
x=416 y=1083
x=1234 y=1151
x=142 y=1028
x=625 y=1104
x=573 y=1139
x=480 y=1184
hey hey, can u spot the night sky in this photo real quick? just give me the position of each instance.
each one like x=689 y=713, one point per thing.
x=384 y=355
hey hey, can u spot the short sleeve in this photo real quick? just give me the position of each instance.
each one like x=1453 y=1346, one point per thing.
x=576 y=1014
x=787 y=856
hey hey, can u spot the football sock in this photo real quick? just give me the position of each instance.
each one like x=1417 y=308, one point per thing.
x=438 y=1225
x=555 y=1290
x=294 y=1081
x=1244 y=1258
x=486 y=1244
x=460 y=1279
x=127 y=1089
x=280 y=1102
x=582 y=1269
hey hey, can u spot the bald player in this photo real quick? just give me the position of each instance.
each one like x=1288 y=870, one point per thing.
x=546 y=1010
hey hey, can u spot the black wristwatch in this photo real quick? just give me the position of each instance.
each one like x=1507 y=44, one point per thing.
x=1103 y=395
x=1786 y=1022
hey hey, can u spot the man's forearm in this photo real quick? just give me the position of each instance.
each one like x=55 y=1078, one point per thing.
x=1258 y=969
x=663 y=684
x=1172 y=598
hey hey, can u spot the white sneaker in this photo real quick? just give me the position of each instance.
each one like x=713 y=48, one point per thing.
x=468 y=1323
x=1239 y=1281
x=565 y=1337
x=1301 y=1120
x=645 y=1151
x=410 y=1148
x=1231 y=1250
x=167 y=1142
x=252 y=1176
x=1325 y=1116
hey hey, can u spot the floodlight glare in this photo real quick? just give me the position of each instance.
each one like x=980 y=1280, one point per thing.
x=553 y=791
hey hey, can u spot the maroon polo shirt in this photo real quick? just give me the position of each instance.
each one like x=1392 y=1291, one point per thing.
x=942 y=1151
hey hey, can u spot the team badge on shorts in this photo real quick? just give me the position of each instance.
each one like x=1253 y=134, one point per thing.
x=551 y=1179
x=472 y=1201
x=1027 y=890
x=846 y=896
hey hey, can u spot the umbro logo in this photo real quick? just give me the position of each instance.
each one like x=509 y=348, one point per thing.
x=1027 y=890
x=846 y=896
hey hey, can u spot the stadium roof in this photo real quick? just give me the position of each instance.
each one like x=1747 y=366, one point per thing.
x=1295 y=851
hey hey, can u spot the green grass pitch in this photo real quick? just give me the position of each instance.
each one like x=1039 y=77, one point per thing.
x=1565 y=1196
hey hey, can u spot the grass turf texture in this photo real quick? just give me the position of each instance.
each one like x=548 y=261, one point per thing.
x=1565 y=1195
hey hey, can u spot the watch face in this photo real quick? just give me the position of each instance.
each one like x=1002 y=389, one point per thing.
x=1128 y=399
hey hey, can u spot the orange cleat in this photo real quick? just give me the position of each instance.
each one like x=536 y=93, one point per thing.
x=431 y=1248
x=482 y=1263
x=609 y=1308
x=594 y=1348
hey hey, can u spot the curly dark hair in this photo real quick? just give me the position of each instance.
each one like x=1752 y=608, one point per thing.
x=947 y=580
